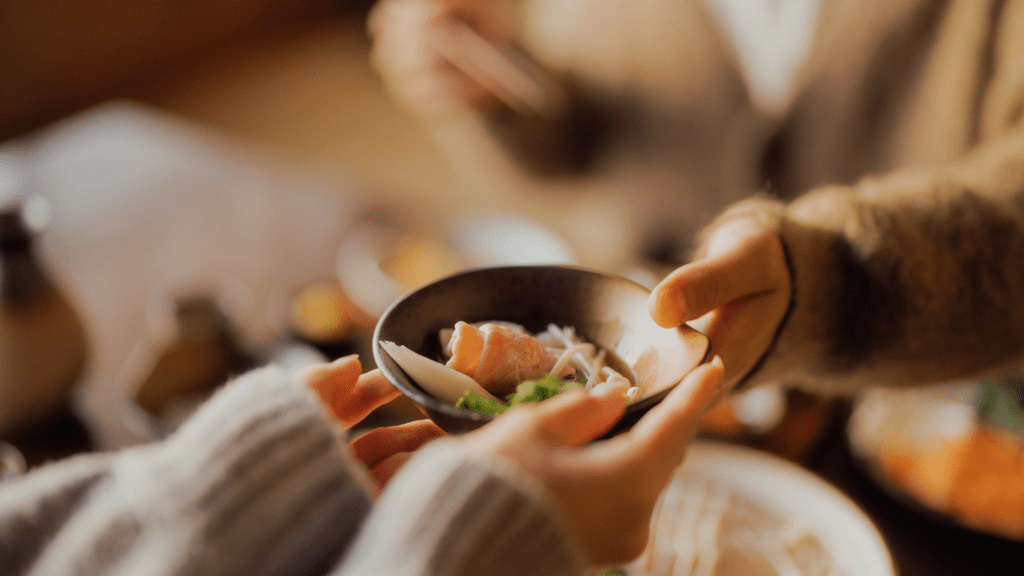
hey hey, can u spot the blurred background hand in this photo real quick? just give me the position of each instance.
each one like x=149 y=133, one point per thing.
x=441 y=57
x=406 y=38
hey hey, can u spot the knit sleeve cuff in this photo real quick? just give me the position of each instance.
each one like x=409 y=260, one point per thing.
x=255 y=482
x=449 y=513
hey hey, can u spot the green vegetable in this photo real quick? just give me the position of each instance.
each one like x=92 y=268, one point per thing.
x=1002 y=402
x=530 y=391
x=537 y=390
x=473 y=401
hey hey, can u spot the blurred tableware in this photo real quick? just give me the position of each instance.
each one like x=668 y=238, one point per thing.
x=12 y=462
x=389 y=252
x=787 y=423
x=532 y=108
x=936 y=451
x=750 y=412
x=143 y=199
x=42 y=339
x=736 y=510
x=320 y=315
x=189 y=355
x=189 y=351
x=609 y=311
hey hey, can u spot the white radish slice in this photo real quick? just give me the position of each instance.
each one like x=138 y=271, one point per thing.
x=437 y=379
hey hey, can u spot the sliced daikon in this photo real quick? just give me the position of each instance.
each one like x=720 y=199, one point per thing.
x=437 y=379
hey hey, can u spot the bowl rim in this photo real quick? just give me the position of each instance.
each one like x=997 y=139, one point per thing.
x=425 y=401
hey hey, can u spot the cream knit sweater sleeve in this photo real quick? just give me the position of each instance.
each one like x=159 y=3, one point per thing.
x=259 y=481
x=468 y=516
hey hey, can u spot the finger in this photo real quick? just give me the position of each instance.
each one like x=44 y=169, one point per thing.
x=741 y=332
x=744 y=259
x=377 y=445
x=576 y=417
x=371 y=391
x=332 y=381
x=384 y=470
x=406 y=14
x=663 y=433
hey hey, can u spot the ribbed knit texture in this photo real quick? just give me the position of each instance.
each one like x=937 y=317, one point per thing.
x=260 y=482
x=255 y=483
x=472 y=517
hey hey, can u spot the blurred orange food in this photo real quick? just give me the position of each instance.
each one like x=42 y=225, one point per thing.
x=417 y=261
x=320 y=312
x=977 y=478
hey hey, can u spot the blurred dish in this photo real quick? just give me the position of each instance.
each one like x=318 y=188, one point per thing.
x=931 y=450
x=732 y=510
x=388 y=253
x=787 y=423
x=12 y=462
x=320 y=313
x=754 y=411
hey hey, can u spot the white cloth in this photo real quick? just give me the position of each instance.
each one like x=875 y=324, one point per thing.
x=772 y=39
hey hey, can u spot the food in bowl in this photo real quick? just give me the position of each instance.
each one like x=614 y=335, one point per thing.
x=493 y=365
x=606 y=310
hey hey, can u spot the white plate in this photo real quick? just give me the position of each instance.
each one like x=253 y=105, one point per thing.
x=782 y=487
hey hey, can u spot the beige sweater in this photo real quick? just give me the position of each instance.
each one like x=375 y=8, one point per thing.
x=895 y=176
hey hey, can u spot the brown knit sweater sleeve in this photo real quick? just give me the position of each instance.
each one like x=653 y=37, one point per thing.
x=910 y=278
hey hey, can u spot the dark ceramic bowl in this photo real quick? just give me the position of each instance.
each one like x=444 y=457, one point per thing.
x=608 y=310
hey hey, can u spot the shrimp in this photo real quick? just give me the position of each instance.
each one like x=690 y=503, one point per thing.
x=498 y=357
x=467 y=345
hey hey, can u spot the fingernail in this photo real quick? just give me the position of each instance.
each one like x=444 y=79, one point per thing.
x=600 y=391
x=718 y=363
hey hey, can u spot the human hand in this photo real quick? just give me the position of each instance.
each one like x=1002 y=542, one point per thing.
x=351 y=396
x=737 y=294
x=606 y=490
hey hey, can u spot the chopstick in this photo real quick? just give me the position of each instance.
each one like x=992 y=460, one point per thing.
x=513 y=79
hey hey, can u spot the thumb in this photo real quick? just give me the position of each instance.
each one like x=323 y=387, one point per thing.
x=744 y=258
x=576 y=417
x=665 y=431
